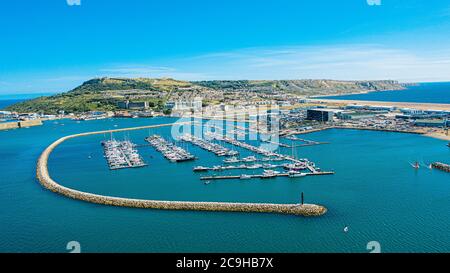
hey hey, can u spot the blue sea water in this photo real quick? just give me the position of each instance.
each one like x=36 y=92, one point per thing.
x=421 y=93
x=7 y=102
x=10 y=99
x=374 y=191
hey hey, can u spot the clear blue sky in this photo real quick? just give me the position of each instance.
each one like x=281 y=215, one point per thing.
x=50 y=46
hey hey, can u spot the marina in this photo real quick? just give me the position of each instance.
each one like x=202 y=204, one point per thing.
x=121 y=155
x=170 y=151
x=208 y=146
x=292 y=167
x=151 y=183
x=310 y=165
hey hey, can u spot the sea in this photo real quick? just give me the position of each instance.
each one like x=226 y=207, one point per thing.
x=375 y=193
x=10 y=99
x=438 y=92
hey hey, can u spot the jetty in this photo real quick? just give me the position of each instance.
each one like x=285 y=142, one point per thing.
x=122 y=154
x=238 y=167
x=170 y=151
x=228 y=177
x=307 y=142
x=441 y=166
x=47 y=182
x=208 y=146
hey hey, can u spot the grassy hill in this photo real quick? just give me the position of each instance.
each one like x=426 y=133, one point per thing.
x=103 y=94
x=305 y=87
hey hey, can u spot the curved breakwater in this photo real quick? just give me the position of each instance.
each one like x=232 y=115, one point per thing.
x=46 y=181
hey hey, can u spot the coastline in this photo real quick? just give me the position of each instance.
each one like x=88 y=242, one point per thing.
x=436 y=135
x=356 y=93
x=415 y=105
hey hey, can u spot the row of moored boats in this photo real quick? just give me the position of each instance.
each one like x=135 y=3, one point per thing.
x=169 y=150
x=122 y=154
x=209 y=146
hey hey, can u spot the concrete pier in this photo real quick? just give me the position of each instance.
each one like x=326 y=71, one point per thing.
x=45 y=179
x=229 y=177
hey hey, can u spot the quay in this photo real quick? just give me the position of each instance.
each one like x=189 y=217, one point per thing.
x=47 y=182
x=441 y=166
x=20 y=124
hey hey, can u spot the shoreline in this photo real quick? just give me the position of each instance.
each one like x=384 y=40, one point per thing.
x=355 y=93
x=425 y=134
x=415 y=105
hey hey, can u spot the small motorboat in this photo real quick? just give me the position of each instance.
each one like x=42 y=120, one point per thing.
x=200 y=169
x=295 y=174
x=268 y=174
x=415 y=165
x=245 y=177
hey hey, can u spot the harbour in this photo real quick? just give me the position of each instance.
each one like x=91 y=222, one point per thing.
x=349 y=187
x=162 y=145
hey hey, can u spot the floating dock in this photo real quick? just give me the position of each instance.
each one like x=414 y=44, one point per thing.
x=170 y=151
x=228 y=177
x=121 y=155
x=208 y=146
x=240 y=167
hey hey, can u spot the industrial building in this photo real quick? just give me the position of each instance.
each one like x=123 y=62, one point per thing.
x=133 y=105
x=432 y=123
x=355 y=115
x=193 y=105
x=322 y=115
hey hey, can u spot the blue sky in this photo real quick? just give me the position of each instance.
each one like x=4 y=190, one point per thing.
x=50 y=46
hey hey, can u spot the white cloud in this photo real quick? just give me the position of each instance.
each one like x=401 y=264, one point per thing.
x=73 y=2
x=374 y=2
x=345 y=62
x=136 y=71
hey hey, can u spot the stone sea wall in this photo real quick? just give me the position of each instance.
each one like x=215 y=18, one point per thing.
x=20 y=124
x=46 y=181
x=441 y=166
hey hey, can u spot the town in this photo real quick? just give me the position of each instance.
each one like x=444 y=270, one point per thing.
x=291 y=115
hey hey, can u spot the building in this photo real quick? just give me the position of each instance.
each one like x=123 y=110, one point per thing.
x=133 y=105
x=355 y=115
x=322 y=115
x=273 y=120
x=432 y=123
x=190 y=105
